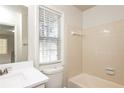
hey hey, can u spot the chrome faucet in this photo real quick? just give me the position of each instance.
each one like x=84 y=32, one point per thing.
x=3 y=71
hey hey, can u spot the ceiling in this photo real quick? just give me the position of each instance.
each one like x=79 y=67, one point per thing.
x=84 y=7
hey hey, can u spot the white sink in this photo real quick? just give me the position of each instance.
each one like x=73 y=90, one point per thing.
x=25 y=78
x=16 y=80
x=22 y=75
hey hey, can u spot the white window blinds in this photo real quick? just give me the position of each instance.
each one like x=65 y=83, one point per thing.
x=49 y=36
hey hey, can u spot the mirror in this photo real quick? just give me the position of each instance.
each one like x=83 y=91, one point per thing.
x=13 y=33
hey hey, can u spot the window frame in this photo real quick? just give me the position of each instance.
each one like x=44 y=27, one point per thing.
x=61 y=35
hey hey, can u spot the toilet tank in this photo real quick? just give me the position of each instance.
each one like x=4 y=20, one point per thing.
x=55 y=75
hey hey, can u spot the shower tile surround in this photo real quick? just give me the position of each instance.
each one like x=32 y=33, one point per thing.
x=103 y=46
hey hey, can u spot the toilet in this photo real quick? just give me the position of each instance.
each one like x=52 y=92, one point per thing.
x=55 y=75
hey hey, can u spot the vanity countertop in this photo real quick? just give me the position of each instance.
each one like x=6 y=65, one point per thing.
x=23 y=78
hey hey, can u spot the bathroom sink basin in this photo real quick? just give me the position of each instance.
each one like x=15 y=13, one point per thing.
x=12 y=80
x=22 y=75
x=23 y=78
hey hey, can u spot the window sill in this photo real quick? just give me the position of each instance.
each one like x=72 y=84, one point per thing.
x=55 y=62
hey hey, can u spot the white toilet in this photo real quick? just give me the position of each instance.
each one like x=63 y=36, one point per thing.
x=55 y=75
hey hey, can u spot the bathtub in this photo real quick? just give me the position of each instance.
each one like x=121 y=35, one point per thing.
x=89 y=81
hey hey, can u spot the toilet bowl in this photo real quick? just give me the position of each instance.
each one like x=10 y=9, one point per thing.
x=55 y=75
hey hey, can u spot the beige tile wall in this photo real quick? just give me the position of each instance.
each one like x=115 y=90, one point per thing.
x=103 y=45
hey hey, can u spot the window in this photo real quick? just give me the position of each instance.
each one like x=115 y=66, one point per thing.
x=49 y=36
x=3 y=46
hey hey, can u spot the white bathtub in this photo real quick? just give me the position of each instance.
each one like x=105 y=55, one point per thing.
x=89 y=81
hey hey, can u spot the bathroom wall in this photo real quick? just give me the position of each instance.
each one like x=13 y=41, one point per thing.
x=72 y=44
x=103 y=42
